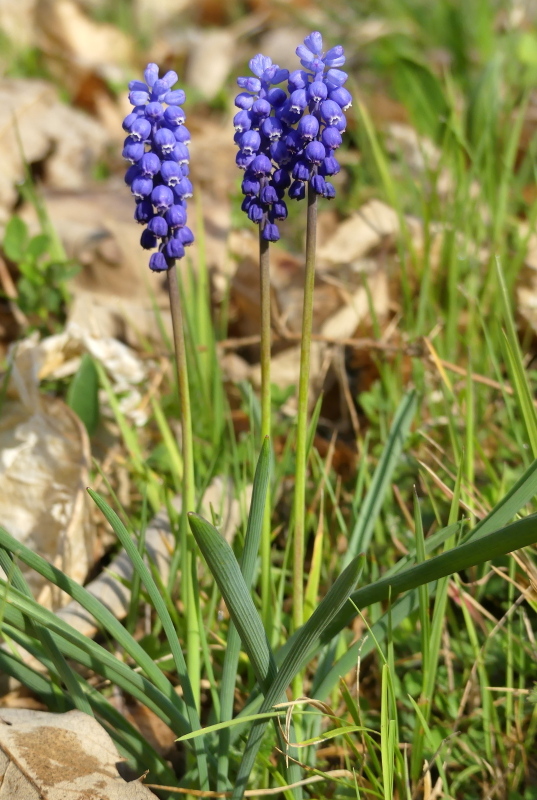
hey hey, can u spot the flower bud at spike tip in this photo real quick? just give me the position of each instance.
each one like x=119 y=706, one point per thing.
x=157 y=149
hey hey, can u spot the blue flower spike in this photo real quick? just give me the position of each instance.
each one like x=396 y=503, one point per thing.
x=260 y=136
x=287 y=139
x=323 y=120
x=156 y=148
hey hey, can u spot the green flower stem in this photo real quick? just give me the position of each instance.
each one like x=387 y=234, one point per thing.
x=264 y=287
x=302 y=419
x=189 y=593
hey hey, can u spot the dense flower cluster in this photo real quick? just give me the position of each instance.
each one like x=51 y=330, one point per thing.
x=259 y=135
x=287 y=139
x=156 y=147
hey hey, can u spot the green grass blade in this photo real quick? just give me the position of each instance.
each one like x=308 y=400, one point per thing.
x=517 y=497
x=499 y=543
x=363 y=529
x=523 y=392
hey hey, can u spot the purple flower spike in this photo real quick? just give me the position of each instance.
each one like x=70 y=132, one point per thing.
x=157 y=149
x=262 y=128
x=313 y=116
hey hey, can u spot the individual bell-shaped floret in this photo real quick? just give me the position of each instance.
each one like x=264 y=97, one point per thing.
x=297 y=190
x=162 y=198
x=158 y=226
x=270 y=232
x=158 y=262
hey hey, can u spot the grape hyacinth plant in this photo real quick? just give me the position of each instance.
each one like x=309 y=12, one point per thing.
x=263 y=157
x=316 y=104
x=288 y=140
x=157 y=149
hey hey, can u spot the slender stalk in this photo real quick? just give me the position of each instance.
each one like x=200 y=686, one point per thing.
x=264 y=288
x=302 y=418
x=189 y=591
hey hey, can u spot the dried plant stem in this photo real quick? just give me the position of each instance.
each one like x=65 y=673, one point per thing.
x=189 y=589
x=264 y=287
x=302 y=418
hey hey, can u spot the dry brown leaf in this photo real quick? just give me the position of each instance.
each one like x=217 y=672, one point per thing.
x=112 y=293
x=210 y=60
x=360 y=233
x=66 y=141
x=44 y=462
x=60 y=757
x=16 y=22
x=153 y=17
x=76 y=45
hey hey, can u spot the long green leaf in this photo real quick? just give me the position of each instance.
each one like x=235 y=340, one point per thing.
x=249 y=556
x=129 y=741
x=517 y=497
x=103 y=617
x=171 y=634
x=512 y=537
x=311 y=631
x=65 y=672
x=227 y=573
x=19 y=609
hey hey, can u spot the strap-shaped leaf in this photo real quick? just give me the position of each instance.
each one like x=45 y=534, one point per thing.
x=105 y=618
x=159 y=605
x=18 y=608
x=225 y=569
x=15 y=576
x=227 y=573
x=499 y=543
x=306 y=636
x=248 y=561
x=128 y=740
